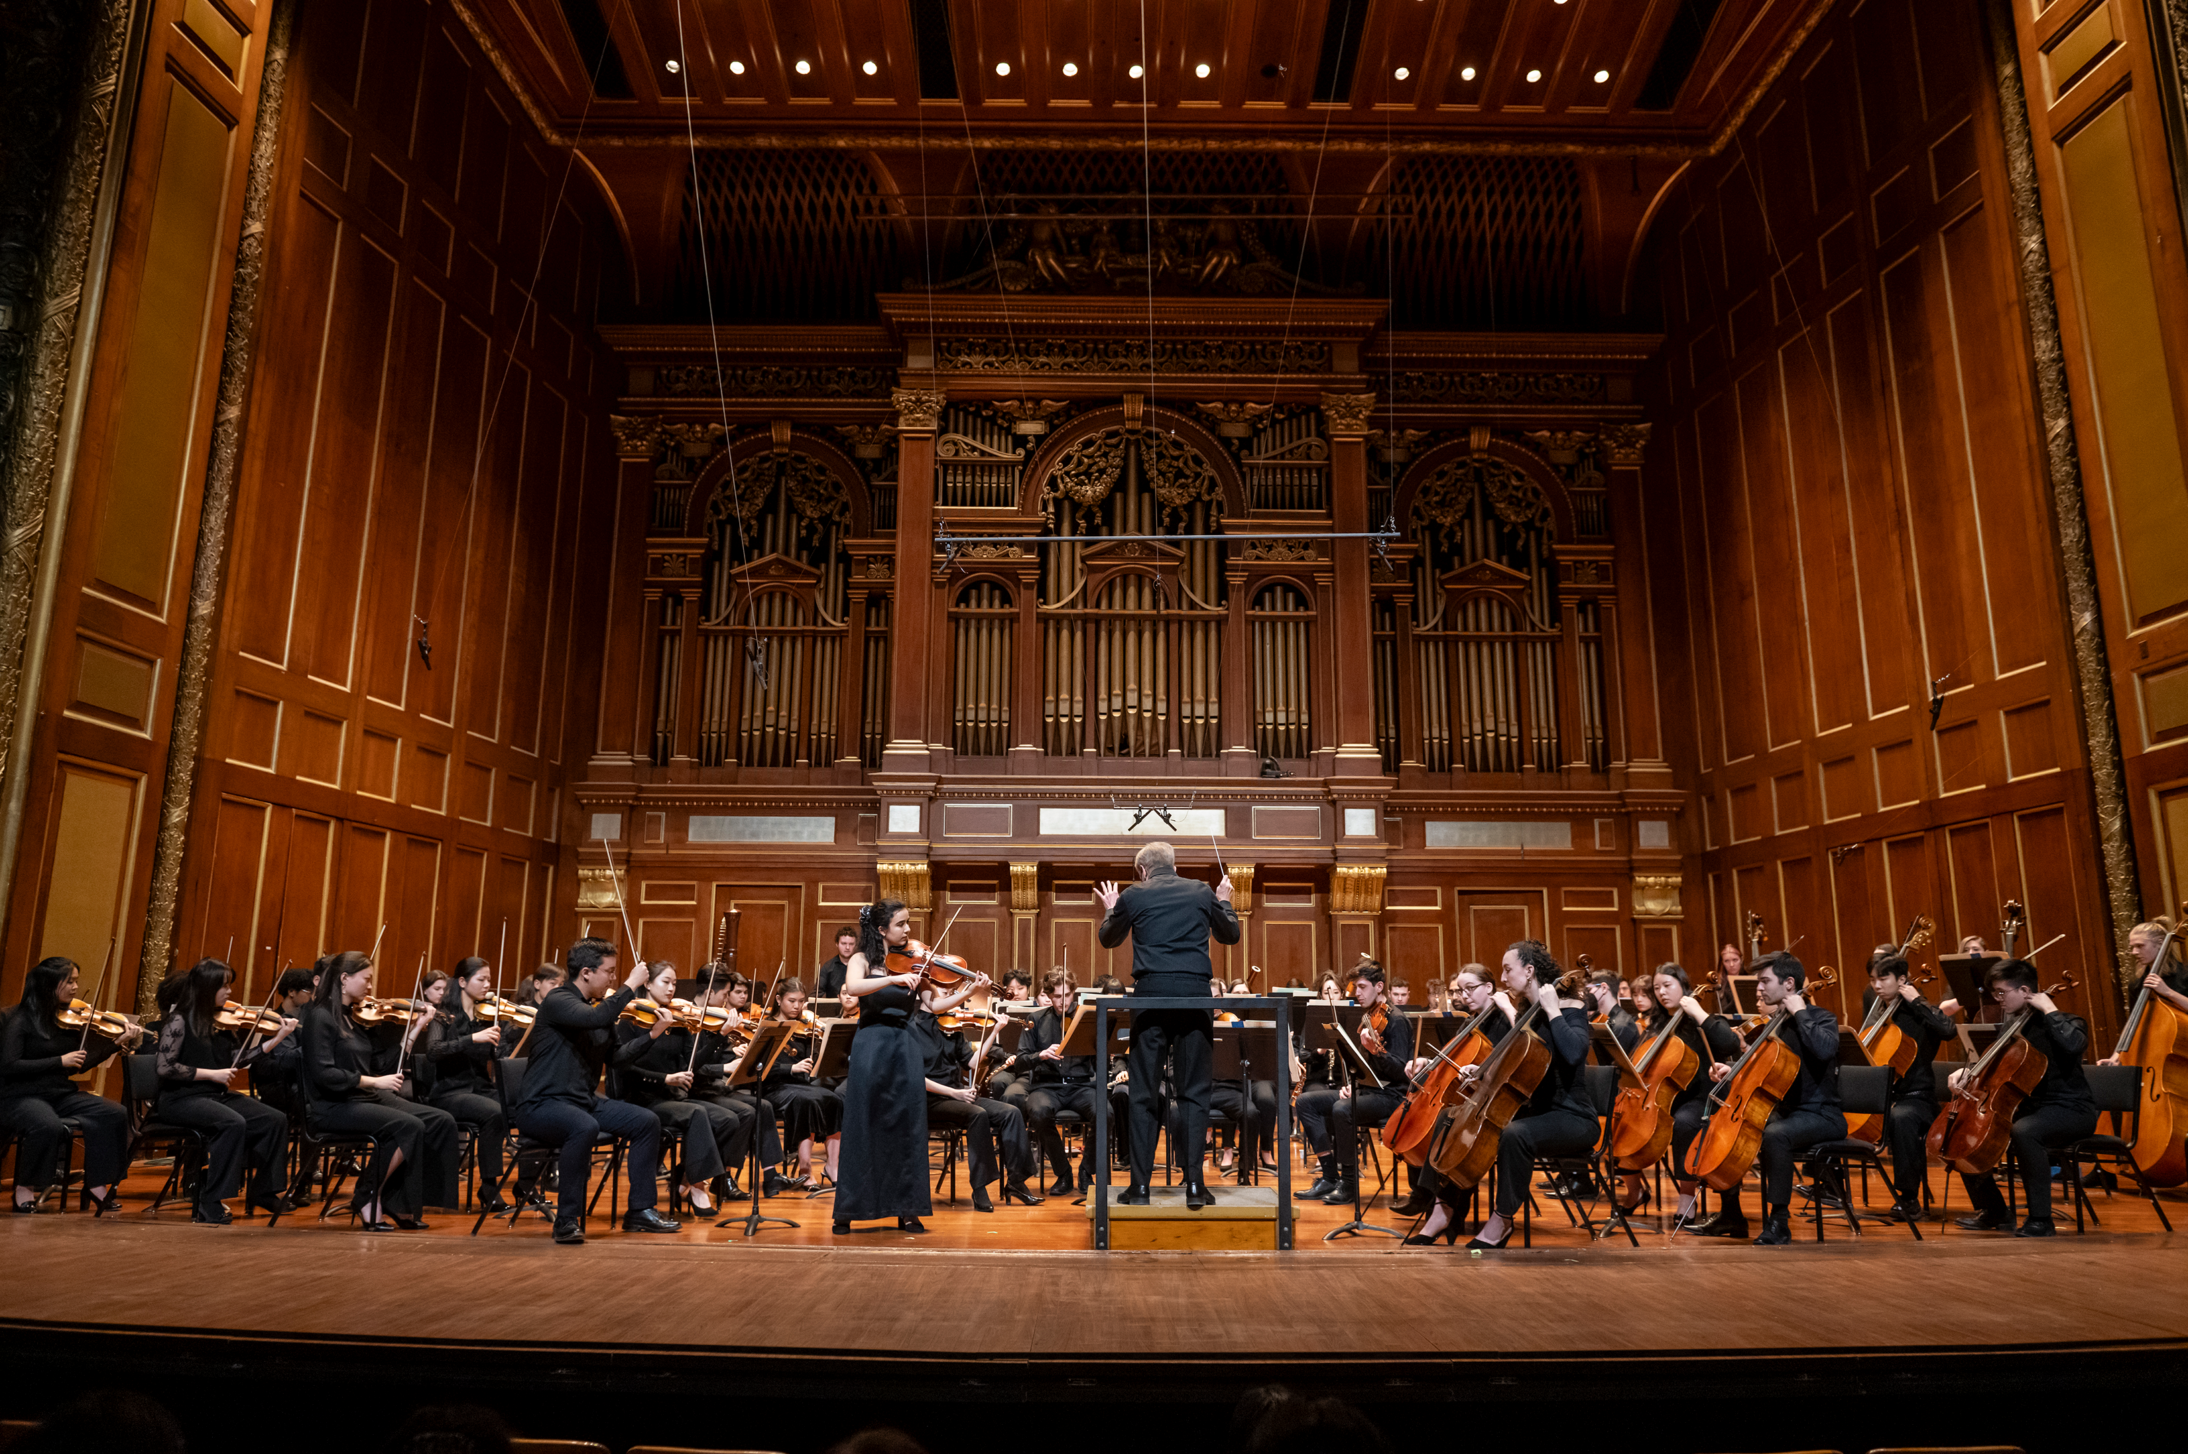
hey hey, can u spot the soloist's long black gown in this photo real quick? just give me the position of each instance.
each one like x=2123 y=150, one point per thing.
x=882 y=1163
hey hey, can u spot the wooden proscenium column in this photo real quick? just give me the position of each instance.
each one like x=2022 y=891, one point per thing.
x=1352 y=647
x=626 y=698
x=1643 y=737
x=919 y=413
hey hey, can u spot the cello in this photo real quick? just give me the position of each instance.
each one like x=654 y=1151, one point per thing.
x=2155 y=1039
x=1468 y=1136
x=1742 y=1105
x=1410 y=1127
x=1641 y=1123
x=1971 y=1134
x=1882 y=1041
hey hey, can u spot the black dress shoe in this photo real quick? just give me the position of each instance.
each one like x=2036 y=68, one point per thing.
x=1416 y=1204
x=2034 y=1228
x=271 y=1206
x=650 y=1220
x=1021 y=1196
x=1060 y=1187
x=1909 y=1211
x=1983 y=1222
x=29 y=1209
x=1197 y=1196
x=841 y=1229
x=1320 y=1191
x=216 y=1216
x=363 y=1226
x=499 y=1207
x=1775 y=1233
x=980 y=1201
x=774 y=1184
x=1719 y=1226
x=1134 y=1196
x=1447 y=1236
x=414 y=1224
x=569 y=1234
x=100 y=1206
x=1344 y=1194
x=910 y=1224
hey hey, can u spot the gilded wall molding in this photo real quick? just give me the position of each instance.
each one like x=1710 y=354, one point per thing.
x=1242 y=887
x=600 y=890
x=1357 y=888
x=907 y=881
x=1025 y=888
x=208 y=575
x=1656 y=896
x=2062 y=458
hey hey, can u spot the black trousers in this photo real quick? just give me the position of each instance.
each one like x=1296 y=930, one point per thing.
x=425 y=1136
x=713 y=1136
x=489 y=1127
x=1360 y=1114
x=1184 y=1040
x=1788 y=1134
x=2036 y=1134
x=995 y=1137
x=1312 y=1112
x=1553 y=1133
x=762 y=1115
x=572 y=1129
x=1011 y=1086
x=240 y=1132
x=1907 y=1135
x=36 y=1122
x=1043 y=1104
x=808 y=1111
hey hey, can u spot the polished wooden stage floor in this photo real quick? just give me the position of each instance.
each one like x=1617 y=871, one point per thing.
x=806 y=1334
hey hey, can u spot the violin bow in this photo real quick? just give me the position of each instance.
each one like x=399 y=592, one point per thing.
x=375 y=954
x=936 y=947
x=617 y=884
x=411 y=1028
x=2046 y=945
x=100 y=984
x=499 y=955
x=251 y=1035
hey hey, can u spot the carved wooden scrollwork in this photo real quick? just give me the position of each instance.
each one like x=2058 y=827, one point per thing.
x=1447 y=494
x=1087 y=470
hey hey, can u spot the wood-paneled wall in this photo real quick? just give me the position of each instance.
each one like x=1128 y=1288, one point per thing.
x=427 y=443
x=1849 y=448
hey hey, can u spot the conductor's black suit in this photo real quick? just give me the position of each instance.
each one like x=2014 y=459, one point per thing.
x=1170 y=920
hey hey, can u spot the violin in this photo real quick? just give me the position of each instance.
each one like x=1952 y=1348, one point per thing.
x=504 y=1011
x=250 y=1019
x=1972 y=1132
x=934 y=968
x=369 y=1011
x=106 y=1024
x=1468 y=1134
x=979 y=1020
x=1742 y=1106
x=2155 y=1039
x=1374 y=1026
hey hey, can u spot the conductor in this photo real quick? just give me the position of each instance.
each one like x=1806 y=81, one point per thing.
x=1169 y=919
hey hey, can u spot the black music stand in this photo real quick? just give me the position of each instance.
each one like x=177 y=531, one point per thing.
x=767 y=1043
x=1331 y=1032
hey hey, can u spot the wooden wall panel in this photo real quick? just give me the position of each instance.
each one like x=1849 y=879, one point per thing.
x=1858 y=472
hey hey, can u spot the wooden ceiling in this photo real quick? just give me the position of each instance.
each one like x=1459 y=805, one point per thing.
x=1464 y=72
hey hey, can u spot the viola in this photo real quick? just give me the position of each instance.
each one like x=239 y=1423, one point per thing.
x=2155 y=1039
x=1742 y=1106
x=1641 y=1123
x=1410 y=1127
x=1469 y=1131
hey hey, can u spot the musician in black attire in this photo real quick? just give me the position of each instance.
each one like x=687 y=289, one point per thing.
x=292 y=992
x=2167 y=981
x=1913 y=1103
x=655 y=1066
x=1361 y=1106
x=38 y=1055
x=1009 y=1079
x=1601 y=994
x=1712 y=1039
x=2058 y=1112
x=1170 y=920
x=720 y=1056
x=573 y=1038
x=883 y=1163
x=354 y=1085
x=810 y=1110
x=1475 y=996
x=1807 y=1114
x=996 y=1143
x=1058 y=1083
x=455 y=1059
x=828 y=979
x=198 y=1061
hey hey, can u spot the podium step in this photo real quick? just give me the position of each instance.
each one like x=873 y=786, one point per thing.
x=1242 y=1219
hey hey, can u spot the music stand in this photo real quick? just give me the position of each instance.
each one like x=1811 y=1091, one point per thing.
x=767 y=1043
x=1356 y=1063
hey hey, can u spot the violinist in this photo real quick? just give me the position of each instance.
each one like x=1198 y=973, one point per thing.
x=530 y=990
x=810 y=1110
x=724 y=988
x=2058 y=1112
x=1807 y=1114
x=1913 y=1101
x=654 y=1066
x=198 y=1063
x=1170 y=920
x=1712 y=1039
x=1476 y=997
x=353 y=1088
x=39 y=1055
x=1560 y=1120
x=1344 y=1115
x=1401 y=994
x=1641 y=999
x=572 y=1039
x=1601 y=994
x=292 y=993
x=456 y=1057
x=828 y=978
x=2168 y=981
x=883 y=1163
x=996 y=1144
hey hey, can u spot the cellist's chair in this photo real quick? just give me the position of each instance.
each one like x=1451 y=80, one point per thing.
x=1864 y=1090
x=2118 y=1089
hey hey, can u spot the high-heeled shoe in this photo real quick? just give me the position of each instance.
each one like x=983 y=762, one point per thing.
x=1479 y=1245
x=100 y=1206
x=1447 y=1236
x=701 y=1203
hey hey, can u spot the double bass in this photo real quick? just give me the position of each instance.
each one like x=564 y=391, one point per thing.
x=1742 y=1105
x=1468 y=1135
x=2155 y=1039
x=1882 y=1041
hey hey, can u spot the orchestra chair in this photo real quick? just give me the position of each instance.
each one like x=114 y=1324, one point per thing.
x=331 y=1154
x=1601 y=1082
x=671 y=1168
x=952 y=1141
x=72 y=1132
x=2117 y=1089
x=509 y=1086
x=185 y=1145
x=1864 y=1090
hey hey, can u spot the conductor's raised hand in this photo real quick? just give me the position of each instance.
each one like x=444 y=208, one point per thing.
x=1107 y=892
x=1223 y=889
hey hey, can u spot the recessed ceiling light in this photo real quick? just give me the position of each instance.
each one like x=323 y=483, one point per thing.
x=1136 y=72
x=1401 y=73
x=736 y=68
x=805 y=68
x=1002 y=68
x=675 y=67
x=1071 y=68
x=871 y=69
x=1201 y=70
x=1601 y=77
x=1533 y=76
x=1466 y=73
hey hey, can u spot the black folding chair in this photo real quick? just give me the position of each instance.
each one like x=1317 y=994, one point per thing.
x=185 y=1145
x=509 y=1086
x=331 y=1156
x=1864 y=1090
x=2118 y=1091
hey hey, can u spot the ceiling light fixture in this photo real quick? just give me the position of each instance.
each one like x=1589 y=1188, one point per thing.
x=675 y=67
x=871 y=69
x=1002 y=68
x=1401 y=73
x=1136 y=72
x=736 y=68
x=805 y=68
x=1201 y=70
x=1071 y=68
x=1601 y=77
x=1533 y=76
x=1466 y=74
